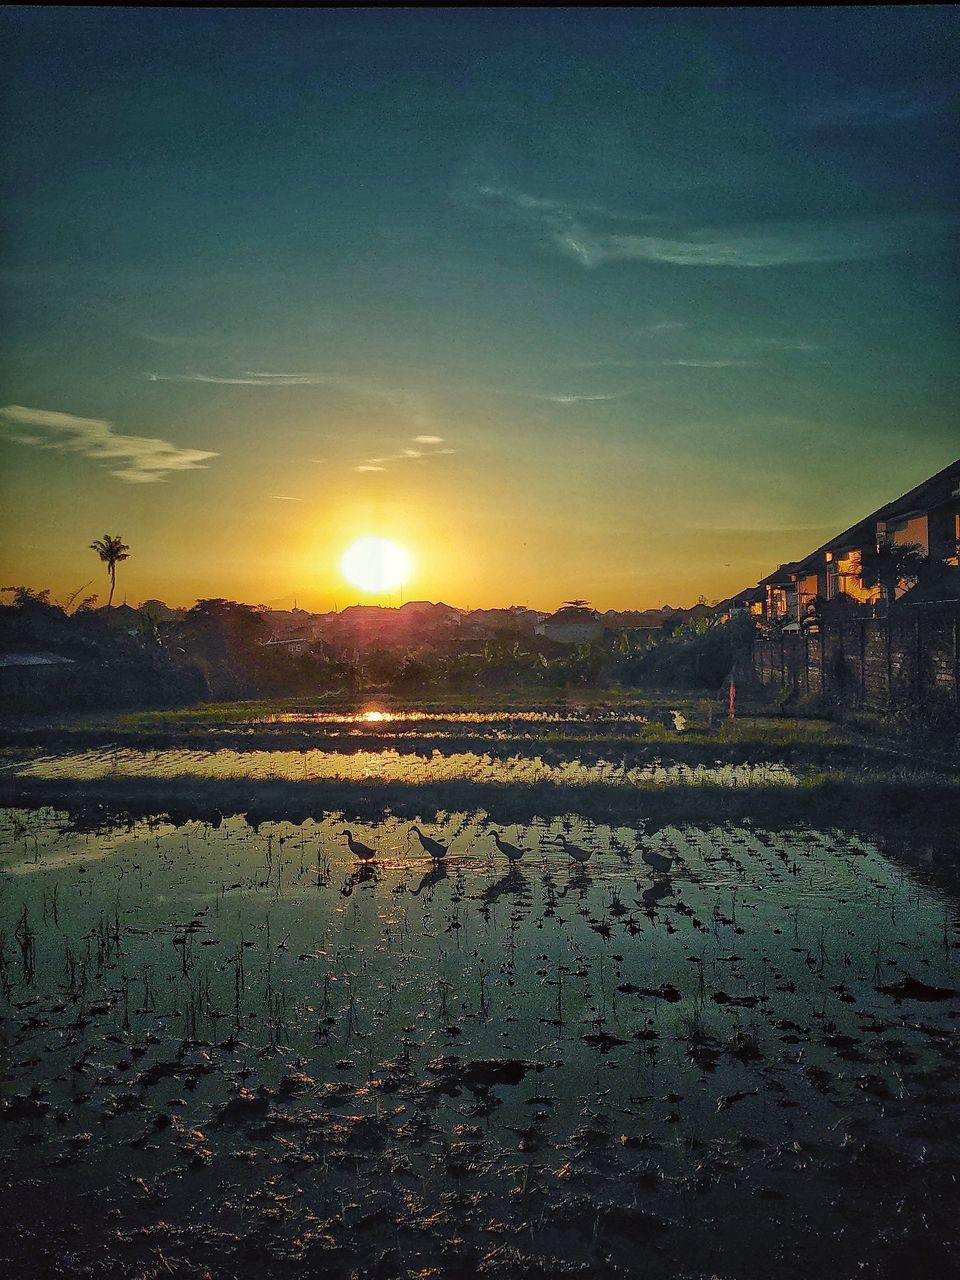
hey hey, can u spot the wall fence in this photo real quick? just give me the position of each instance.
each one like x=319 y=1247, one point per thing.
x=906 y=662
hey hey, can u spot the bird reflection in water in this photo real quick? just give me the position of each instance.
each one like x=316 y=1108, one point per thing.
x=436 y=873
x=513 y=881
x=366 y=872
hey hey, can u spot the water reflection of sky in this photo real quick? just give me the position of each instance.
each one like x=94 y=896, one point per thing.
x=567 y=716
x=735 y=1007
x=390 y=766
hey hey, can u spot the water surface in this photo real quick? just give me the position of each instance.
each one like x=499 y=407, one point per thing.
x=244 y=1042
x=385 y=765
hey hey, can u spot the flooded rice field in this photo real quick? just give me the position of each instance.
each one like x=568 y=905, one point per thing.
x=384 y=765
x=513 y=720
x=450 y=1044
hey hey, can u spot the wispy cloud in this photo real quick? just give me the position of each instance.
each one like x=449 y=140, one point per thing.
x=772 y=245
x=664 y=326
x=574 y=399
x=407 y=404
x=559 y=219
x=607 y=363
x=593 y=236
x=407 y=454
x=512 y=201
x=869 y=106
x=166 y=339
x=745 y=346
x=711 y=364
x=785 y=344
x=284 y=497
x=246 y=380
x=134 y=459
x=561 y=397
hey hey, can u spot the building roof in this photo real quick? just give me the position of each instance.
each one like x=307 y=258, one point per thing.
x=782 y=575
x=933 y=492
x=573 y=613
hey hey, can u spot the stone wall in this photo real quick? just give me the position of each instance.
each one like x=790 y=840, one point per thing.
x=909 y=661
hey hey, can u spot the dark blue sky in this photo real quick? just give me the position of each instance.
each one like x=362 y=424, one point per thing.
x=630 y=305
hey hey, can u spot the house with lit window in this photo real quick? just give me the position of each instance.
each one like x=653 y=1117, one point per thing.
x=778 y=598
x=927 y=516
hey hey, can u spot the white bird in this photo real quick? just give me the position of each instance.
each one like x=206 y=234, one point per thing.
x=574 y=851
x=512 y=852
x=362 y=851
x=435 y=849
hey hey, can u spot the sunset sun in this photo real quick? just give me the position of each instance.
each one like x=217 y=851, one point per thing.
x=376 y=565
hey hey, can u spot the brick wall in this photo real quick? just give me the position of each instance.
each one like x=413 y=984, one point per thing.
x=909 y=661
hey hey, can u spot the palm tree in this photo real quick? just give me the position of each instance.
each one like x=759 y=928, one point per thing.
x=892 y=565
x=111 y=551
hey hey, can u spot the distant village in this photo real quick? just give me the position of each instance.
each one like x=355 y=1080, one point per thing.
x=420 y=622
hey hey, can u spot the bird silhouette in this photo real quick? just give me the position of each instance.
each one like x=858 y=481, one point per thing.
x=435 y=849
x=512 y=852
x=653 y=895
x=656 y=861
x=357 y=847
x=574 y=851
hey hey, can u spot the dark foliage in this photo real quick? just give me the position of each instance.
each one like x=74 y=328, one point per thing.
x=105 y=665
x=698 y=655
x=223 y=650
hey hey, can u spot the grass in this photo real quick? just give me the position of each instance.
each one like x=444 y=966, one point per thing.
x=514 y=700
x=705 y=718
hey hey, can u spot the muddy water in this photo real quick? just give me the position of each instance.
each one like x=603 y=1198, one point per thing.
x=707 y=1050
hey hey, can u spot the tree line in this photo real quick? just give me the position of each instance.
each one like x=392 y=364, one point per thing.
x=219 y=650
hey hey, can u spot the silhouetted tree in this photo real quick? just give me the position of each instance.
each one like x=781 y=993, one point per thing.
x=26 y=597
x=892 y=565
x=86 y=602
x=31 y=619
x=111 y=551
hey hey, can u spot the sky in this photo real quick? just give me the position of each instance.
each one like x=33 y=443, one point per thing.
x=630 y=306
